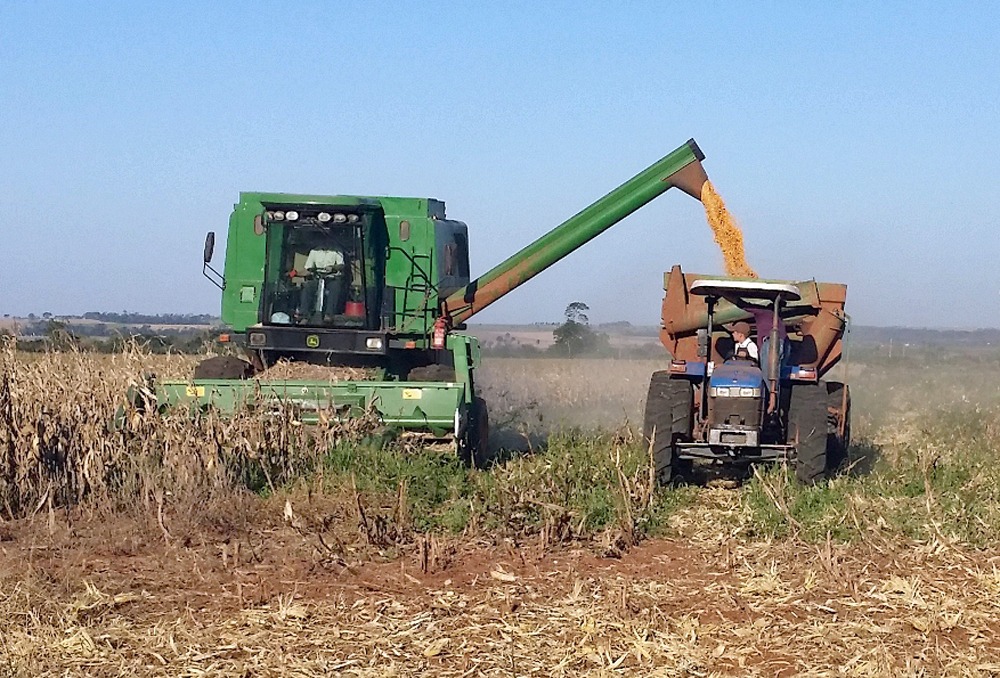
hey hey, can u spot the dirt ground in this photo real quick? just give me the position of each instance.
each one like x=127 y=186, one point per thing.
x=111 y=597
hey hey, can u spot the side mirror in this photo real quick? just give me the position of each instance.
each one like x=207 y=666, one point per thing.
x=209 y=246
x=215 y=278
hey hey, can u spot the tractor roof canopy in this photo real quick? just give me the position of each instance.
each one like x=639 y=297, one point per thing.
x=746 y=289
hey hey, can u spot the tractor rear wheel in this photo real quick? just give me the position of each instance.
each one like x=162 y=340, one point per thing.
x=807 y=424
x=667 y=419
x=473 y=447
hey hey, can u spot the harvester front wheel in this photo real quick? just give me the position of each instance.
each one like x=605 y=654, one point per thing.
x=667 y=419
x=807 y=419
x=473 y=448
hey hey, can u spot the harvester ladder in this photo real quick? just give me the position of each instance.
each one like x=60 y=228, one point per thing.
x=420 y=284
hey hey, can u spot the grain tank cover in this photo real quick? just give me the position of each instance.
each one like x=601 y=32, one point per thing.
x=746 y=289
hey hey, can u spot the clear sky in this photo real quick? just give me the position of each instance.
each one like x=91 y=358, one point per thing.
x=856 y=142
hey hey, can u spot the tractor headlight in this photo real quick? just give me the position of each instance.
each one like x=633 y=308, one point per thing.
x=722 y=391
x=279 y=216
x=258 y=339
x=291 y=215
x=746 y=392
x=324 y=217
x=373 y=343
x=339 y=218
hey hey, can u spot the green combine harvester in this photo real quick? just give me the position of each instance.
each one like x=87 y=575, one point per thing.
x=382 y=285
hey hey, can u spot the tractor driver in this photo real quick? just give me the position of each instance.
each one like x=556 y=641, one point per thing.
x=746 y=348
x=763 y=320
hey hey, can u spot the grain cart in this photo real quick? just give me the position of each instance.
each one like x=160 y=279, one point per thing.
x=716 y=405
x=379 y=284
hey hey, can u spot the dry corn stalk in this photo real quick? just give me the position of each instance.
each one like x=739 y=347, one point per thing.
x=59 y=443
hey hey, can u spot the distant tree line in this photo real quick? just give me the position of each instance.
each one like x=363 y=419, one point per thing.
x=40 y=328
x=129 y=318
x=60 y=336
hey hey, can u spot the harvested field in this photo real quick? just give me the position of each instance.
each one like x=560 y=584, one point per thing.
x=347 y=559
x=668 y=607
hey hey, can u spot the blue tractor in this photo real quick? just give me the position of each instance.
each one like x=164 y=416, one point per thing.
x=721 y=405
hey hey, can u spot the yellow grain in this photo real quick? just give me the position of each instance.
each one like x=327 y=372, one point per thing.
x=727 y=233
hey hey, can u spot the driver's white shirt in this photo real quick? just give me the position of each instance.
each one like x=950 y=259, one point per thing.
x=750 y=347
x=324 y=261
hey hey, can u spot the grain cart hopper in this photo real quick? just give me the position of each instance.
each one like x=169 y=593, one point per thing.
x=381 y=284
x=715 y=404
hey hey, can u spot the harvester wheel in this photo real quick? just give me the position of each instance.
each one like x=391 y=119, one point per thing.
x=667 y=419
x=807 y=423
x=223 y=367
x=473 y=448
x=837 y=445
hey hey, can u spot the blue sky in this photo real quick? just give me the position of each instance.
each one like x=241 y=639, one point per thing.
x=854 y=142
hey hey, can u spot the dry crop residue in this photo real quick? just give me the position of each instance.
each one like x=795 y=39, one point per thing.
x=727 y=232
x=291 y=370
x=269 y=603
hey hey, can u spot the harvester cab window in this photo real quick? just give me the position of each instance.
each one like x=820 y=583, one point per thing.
x=316 y=272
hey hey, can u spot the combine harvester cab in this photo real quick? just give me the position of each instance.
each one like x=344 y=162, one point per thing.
x=713 y=404
x=378 y=286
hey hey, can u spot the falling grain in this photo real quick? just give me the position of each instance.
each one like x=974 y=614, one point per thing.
x=727 y=233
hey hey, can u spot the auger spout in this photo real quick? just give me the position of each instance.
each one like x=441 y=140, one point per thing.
x=681 y=168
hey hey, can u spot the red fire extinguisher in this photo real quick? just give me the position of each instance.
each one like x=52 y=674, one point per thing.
x=440 y=331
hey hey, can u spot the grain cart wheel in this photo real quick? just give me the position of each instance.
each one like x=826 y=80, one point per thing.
x=667 y=418
x=837 y=445
x=473 y=448
x=807 y=423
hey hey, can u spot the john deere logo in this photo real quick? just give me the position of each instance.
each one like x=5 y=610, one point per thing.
x=312 y=341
